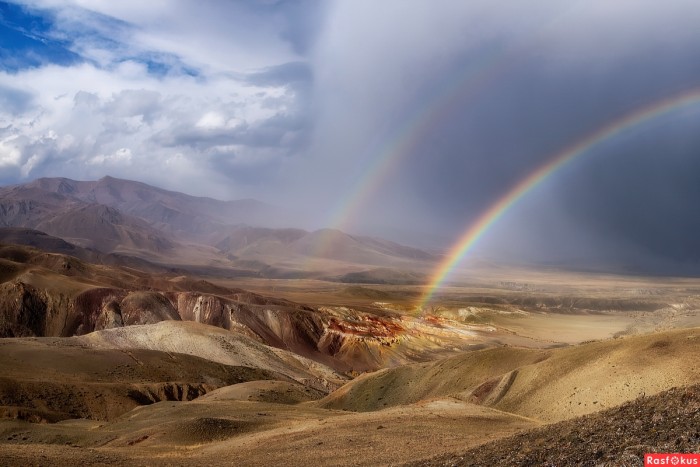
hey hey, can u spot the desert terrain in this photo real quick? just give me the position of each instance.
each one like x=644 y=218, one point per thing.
x=134 y=336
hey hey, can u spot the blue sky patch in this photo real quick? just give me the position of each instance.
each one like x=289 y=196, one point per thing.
x=29 y=38
x=25 y=41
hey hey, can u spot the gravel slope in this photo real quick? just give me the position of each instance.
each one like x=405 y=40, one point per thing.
x=666 y=422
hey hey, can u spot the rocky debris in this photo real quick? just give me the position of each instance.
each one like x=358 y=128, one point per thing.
x=666 y=422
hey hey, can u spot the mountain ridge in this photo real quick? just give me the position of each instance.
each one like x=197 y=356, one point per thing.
x=113 y=215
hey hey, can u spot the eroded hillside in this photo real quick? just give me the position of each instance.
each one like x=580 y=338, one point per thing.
x=48 y=294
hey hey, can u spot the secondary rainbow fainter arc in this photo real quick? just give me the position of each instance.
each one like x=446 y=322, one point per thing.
x=489 y=217
x=449 y=96
x=390 y=152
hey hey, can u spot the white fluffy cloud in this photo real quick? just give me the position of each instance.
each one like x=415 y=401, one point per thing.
x=110 y=113
x=83 y=120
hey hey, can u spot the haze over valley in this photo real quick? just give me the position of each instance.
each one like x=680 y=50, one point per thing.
x=348 y=233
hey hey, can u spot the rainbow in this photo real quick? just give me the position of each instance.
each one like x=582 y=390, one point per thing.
x=451 y=94
x=489 y=217
x=404 y=139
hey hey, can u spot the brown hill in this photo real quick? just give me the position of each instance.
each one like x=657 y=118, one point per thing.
x=53 y=379
x=289 y=244
x=666 y=422
x=216 y=345
x=295 y=253
x=172 y=212
x=256 y=242
x=220 y=429
x=219 y=426
x=51 y=244
x=412 y=383
x=277 y=392
x=85 y=224
x=56 y=295
x=337 y=245
x=105 y=229
x=583 y=379
x=549 y=385
x=115 y=215
x=48 y=243
x=382 y=276
x=47 y=294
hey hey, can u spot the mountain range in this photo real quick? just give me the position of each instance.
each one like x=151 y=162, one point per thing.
x=135 y=220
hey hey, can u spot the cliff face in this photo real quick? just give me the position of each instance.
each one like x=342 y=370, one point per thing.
x=342 y=342
x=28 y=311
x=55 y=295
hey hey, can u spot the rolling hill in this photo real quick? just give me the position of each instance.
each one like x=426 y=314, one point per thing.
x=549 y=385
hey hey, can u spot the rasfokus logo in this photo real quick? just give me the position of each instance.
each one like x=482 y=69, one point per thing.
x=671 y=459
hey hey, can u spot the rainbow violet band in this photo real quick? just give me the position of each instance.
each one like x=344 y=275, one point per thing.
x=489 y=217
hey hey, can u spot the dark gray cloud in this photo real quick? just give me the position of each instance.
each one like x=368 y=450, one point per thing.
x=641 y=191
x=531 y=85
x=299 y=102
x=302 y=20
x=627 y=204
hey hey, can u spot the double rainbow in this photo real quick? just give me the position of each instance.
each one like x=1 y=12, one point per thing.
x=450 y=95
x=489 y=217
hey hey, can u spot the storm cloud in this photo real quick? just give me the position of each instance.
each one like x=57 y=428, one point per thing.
x=534 y=80
x=296 y=103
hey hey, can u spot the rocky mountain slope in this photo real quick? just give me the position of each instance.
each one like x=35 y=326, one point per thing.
x=172 y=212
x=112 y=215
x=666 y=422
x=89 y=225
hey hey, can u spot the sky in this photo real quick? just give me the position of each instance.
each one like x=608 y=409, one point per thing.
x=405 y=119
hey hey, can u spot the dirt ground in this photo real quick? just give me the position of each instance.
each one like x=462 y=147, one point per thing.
x=499 y=370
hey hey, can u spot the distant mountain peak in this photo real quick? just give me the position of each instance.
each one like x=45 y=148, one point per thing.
x=112 y=214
